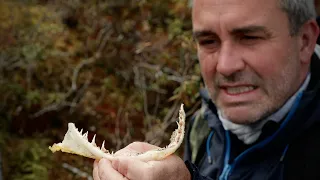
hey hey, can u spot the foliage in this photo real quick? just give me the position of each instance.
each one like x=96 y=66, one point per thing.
x=117 y=68
x=27 y=160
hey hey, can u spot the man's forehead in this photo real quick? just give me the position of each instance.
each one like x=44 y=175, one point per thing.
x=229 y=2
x=233 y=12
x=227 y=6
x=217 y=2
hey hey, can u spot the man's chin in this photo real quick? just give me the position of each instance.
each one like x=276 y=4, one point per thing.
x=243 y=121
x=241 y=116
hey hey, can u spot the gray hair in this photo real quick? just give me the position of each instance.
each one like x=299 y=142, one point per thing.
x=298 y=12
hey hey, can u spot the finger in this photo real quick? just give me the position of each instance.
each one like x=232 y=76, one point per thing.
x=135 y=148
x=95 y=172
x=107 y=172
x=126 y=151
x=131 y=168
x=141 y=146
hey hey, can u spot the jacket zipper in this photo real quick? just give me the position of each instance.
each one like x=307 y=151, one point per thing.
x=225 y=173
x=227 y=167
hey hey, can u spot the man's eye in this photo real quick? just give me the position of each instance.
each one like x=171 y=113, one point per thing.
x=207 y=42
x=250 y=38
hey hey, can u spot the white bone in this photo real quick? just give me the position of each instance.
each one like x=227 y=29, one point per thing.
x=93 y=140
x=76 y=143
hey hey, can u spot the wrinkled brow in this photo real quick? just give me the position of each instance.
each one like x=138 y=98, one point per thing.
x=251 y=29
x=235 y=31
x=205 y=33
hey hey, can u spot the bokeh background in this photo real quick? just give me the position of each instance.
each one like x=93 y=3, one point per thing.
x=117 y=68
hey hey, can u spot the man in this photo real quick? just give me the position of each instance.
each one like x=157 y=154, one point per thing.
x=261 y=112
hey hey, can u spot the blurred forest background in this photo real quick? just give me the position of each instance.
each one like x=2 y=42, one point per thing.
x=117 y=68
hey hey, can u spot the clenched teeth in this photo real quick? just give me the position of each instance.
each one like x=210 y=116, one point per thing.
x=239 y=90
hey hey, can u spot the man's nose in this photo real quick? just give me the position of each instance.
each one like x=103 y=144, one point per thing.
x=229 y=60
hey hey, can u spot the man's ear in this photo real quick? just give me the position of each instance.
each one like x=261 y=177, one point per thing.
x=308 y=35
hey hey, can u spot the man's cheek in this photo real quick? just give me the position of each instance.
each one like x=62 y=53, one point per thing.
x=208 y=75
x=207 y=67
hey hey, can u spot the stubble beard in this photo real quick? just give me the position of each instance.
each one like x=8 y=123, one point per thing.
x=275 y=94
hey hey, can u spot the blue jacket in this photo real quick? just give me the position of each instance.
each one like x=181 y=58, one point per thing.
x=289 y=150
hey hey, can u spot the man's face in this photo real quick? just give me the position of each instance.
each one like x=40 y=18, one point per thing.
x=249 y=61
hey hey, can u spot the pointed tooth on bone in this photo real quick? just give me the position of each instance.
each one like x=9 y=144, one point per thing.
x=103 y=149
x=85 y=136
x=93 y=140
x=81 y=131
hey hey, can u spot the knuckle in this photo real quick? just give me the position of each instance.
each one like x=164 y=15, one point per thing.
x=102 y=169
x=135 y=144
x=123 y=168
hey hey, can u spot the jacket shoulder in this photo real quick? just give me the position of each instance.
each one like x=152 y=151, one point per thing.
x=303 y=156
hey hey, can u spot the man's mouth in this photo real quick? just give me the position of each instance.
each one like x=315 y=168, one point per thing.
x=239 y=89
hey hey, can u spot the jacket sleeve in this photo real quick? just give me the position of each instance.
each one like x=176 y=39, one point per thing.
x=195 y=174
x=193 y=169
x=187 y=145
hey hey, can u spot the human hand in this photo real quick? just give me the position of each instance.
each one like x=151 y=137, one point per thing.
x=124 y=167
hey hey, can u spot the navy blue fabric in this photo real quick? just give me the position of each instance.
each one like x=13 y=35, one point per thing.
x=0 y=167
x=318 y=21
x=285 y=151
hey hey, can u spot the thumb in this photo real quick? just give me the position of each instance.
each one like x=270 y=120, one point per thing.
x=141 y=146
x=136 y=147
